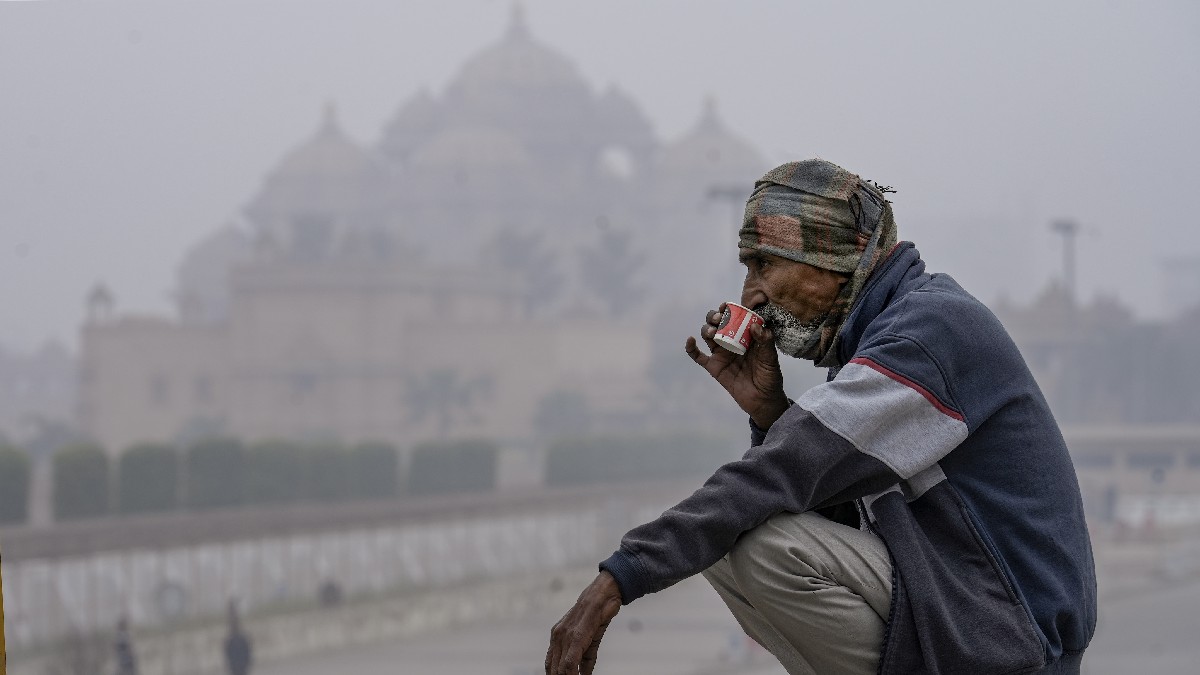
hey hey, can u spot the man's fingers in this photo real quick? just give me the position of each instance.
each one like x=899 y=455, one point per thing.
x=708 y=333
x=588 y=664
x=764 y=339
x=554 y=651
x=572 y=658
x=582 y=643
x=561 y=637
x=694 y=352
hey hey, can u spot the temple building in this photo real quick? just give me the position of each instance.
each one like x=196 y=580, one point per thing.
x=448 y=278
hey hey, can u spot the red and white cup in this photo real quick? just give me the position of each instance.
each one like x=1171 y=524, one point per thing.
x=734 y=331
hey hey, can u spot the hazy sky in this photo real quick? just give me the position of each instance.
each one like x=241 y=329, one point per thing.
x=128 y=130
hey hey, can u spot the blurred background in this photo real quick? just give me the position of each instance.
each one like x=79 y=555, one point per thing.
x=355 y=329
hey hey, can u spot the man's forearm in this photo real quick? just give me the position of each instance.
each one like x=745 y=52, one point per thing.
x=800 y=465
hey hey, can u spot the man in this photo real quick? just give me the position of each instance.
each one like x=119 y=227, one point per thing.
x=238 y=649
x=918 y=512
x=123 y=652
x=3 y=649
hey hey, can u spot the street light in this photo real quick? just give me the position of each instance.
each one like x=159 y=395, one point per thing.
x=1069 y=230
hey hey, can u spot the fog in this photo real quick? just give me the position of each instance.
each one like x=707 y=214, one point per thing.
x=132 y=129
x=417 y=418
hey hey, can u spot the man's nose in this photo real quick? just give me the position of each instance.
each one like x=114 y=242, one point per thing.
x=752 y=295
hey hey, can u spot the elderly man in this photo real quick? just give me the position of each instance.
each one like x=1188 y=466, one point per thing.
x=917 y=513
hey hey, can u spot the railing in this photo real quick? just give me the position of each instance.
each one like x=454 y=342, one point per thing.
x=81 y=577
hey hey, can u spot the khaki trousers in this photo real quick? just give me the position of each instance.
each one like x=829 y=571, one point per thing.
x=813 y=592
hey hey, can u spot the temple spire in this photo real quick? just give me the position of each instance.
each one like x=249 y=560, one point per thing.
x=709 y=120
x=517 y=28
x=329 y=119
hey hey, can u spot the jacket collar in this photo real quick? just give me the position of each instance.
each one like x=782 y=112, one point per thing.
x=893 y=279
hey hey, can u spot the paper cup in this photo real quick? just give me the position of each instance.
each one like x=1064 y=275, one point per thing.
x=734 y=332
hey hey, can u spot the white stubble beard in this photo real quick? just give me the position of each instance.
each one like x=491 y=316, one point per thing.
x=791 y=334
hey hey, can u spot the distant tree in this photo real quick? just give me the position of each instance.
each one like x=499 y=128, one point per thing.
x=330 y=472
x=215 y=473
x=14 y=485
x=526 y=255
x=610 y=268
x=373 y=470
x=445 y=396
x=460 y=466
x=148 y=479
x=276 y=472
x=561 y=413
x=81 y=482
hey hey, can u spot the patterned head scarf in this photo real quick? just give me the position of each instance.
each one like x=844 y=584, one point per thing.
x=816 y=212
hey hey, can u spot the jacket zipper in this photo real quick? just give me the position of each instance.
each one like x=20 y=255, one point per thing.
x=863 y=517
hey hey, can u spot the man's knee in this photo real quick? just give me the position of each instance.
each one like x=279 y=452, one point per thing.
x=774 y=547
x=718 y=574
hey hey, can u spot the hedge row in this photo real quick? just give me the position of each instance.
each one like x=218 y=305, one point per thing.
x=220 y=473
x=14 y=485
x=463 y=466
x=81 y=482
x=223 y=472
x=215 y=473
x=601 y=459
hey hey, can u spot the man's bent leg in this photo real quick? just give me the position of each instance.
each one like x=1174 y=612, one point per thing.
x=813 y=592
x=753 y=623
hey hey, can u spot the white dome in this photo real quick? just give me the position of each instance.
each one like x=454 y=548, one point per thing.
x=712 y=149
x=202 y=292
x=475 y=147
x=414 y=124
x=328 y=175
x=517 y=62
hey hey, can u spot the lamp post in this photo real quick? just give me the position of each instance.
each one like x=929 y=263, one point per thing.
x=1069 y=230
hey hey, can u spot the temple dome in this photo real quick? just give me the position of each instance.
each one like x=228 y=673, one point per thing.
x=416 y=122
x=532 y=92
x=517 y=62
x=328 y=176
x=202 y=292
x=475 y=147
x=624 y=119
x=711 y=148
x=328 y=154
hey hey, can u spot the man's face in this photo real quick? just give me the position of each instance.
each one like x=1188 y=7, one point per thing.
x=792 y=297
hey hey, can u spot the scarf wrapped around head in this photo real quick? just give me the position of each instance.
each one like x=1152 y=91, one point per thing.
x=816 y=212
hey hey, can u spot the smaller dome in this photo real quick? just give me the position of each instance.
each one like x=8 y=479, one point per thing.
x=327 y=176
x=202 y=292
x=712 y=149
x=328 y=153
x=475 y=147
x=623 y=120
x=415 y=123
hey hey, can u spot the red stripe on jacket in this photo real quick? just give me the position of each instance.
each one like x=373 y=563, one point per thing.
x=884 y=370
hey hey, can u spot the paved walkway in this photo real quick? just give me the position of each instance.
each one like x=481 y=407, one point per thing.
x=687 y=631
x=684 y=631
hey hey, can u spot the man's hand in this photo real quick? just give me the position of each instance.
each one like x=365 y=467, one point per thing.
x=575 y=639
x=753 y=380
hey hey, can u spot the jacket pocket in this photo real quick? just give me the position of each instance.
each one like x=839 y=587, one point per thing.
x=988 y=552
x=959 y=611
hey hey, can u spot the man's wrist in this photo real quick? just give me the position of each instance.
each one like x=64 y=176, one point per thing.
x=766 y=416
x=608 y=585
